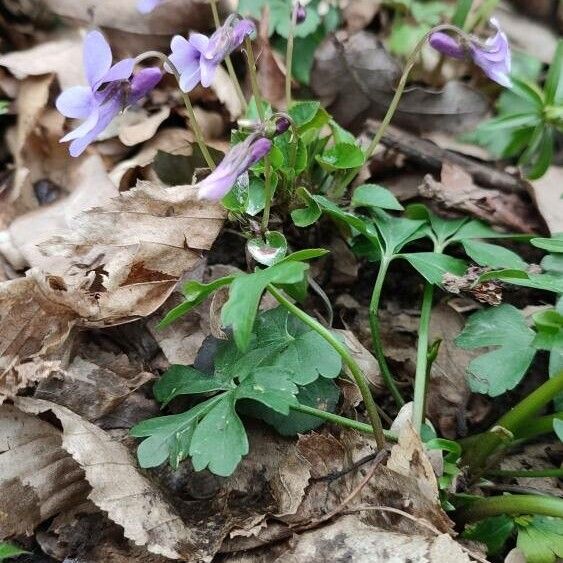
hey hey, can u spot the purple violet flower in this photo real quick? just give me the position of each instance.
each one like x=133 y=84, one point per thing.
x=198 y=57
x=111 y=89
x=493 y=56
x=300 y=13
x=236 y=162
x=147 y=6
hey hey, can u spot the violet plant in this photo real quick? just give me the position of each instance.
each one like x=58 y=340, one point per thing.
x=280 y=365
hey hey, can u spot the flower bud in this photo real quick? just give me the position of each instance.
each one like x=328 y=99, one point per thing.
x=300 y=13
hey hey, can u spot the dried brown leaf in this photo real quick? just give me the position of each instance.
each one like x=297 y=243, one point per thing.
x=356 y=77
x=547 y=193
x=118 y=488
x=38 y=479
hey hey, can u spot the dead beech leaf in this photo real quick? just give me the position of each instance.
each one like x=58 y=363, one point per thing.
x=113 y=264
x=143 y=126
x=356 y=77
x=38 y=479
x=448 y=392
x=365 y=360
x=456 y=190
x=225 y=91
x=62 y=57
x=547 y=193
x=118 y=488
x=409 y=458
x=350 y=539
x=174 y=17
x=359 y=13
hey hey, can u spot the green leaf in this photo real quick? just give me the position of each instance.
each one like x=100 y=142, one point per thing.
x=195 y=293
x=373 y=195
x=433 y=266
x=396 y=232
x=546 y=282
x=538 y=156
x=168 y=436
x=185 y=380
x=540 y=538
x=269 y=250
x=554 y=82
x=462 y=8
x=322 y=394
x=308 y=115
x=245 y=293
x=302 y=351
x=442 y=228
x=554 y=244
x=342 y=156
x=8 y=550
x=492 y=255
x=549 y=327
x=271 y=386
x=478 y=229
x=500 y=370
x=340 y=134
x=493 y=532
x=307 y=215
x=219 y=441
x=558 y=428
x=404 y=36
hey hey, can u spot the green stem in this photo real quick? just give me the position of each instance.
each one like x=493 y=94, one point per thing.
x=254 y=79
x=396 y=99
x=526 y=473
x=268 y=194
x=350 y=363
x=538 y=426
x=512 y=505
x=482 y=14
x=198 y=133
x=421 y=376
x=260 y=108
x=229 y=62
x=511 y=423
x=376 y=332
x=340 y=420
x=289 y=58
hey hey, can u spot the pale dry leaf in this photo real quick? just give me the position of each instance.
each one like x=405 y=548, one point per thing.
x=350 y=539
x=547 y=192
x=118 y=488
x=225 y=91
x=62 y=57
x=143 y=127
x=173 y=17
x=365 y=360
x=409 y=458
x=38 y=479
x=359 y=13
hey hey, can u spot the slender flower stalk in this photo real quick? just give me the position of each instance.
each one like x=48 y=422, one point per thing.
x=376 y=332
x=289 y=55
x=512 y=505
x=268 y=192
x=229 y=62
x=480 y=57
x=528 y=473
x=348 y=360
x=194 y=124
x=421 y=375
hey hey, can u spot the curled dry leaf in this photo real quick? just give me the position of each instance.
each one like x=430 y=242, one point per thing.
x=356 y=77
x=118 y=488
x=350 y=539
x=62 y=56
x=456 y=190
x=114 y=264
x=38 y=478
x=142 y=127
